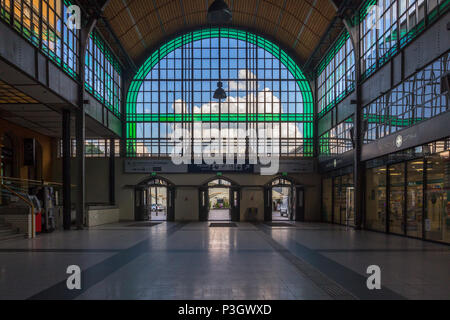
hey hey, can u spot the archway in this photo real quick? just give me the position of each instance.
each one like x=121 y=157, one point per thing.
x=155 y=200
x=283 y=200
x=219 y=200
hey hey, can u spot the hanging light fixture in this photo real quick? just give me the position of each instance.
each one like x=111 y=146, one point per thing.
x=219 y=13
x=220 y=93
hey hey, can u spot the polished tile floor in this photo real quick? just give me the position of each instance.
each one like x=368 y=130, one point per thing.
x=219 y=215
x=193 y=261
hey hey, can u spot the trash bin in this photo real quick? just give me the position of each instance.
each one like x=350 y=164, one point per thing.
x=38 y=220
x=251 y=214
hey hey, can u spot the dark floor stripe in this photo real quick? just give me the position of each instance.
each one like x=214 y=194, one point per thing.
x=98 y=272
x=424 y=250
x=59 y=250
x=332 y=289
x=350 y=280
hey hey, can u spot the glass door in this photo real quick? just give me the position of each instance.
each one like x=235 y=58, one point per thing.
x=203 y=204
x=437 y=219
x=350 y=207
x=235 y=203
x=397 y=198
x=414 y=198
x=268 y=205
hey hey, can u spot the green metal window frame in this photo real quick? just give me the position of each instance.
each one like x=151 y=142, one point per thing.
x=103 y=70
x=331 y=54
x=307 y=117
x=42 y=33
x=421 y=99
x=402 y=39
x=337 y=140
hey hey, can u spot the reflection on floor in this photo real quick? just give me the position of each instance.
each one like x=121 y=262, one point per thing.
x=219 y=215
x=276 y=216
x=193 y=261
x=158 y=216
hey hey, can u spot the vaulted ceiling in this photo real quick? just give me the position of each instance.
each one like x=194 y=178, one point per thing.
x=142 y=25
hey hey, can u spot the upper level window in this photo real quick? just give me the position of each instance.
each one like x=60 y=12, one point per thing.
x=416 y=99
x=42 y=23
x=103 y=73
x=265 y=91
x=388 y=25
x=336 y=74
x=338 y=140
x=93 y=148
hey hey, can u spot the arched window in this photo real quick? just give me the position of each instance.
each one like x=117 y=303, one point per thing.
x=219 y=183
x=281 y=182
x=266 y=93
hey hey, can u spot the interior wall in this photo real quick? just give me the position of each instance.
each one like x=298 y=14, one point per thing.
x=97 y=179
x=18 y=134
x=187 y=198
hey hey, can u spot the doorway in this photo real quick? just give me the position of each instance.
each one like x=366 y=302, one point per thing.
x=219 y=201
x=281 y=203
x=283 y=200
x=155 y=201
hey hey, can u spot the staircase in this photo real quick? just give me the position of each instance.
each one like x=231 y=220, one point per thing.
x=9 y=233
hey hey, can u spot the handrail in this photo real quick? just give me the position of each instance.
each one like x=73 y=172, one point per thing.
x=40 y=182
x=33 y=221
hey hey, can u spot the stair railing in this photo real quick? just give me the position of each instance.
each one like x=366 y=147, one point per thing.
x=29 y=203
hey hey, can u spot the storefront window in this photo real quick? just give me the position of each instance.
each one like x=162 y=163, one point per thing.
x=349 y=194
x=397 y=198
x=437 y=220
x=414 y=200
x=411 y=188
x=327 y=209
x=339 y=200
x=344 y=195
x=376 y=199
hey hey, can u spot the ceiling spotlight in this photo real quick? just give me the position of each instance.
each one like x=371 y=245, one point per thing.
x=219 y=13
x=220 y=94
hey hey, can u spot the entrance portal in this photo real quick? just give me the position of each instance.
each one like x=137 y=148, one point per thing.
x=219 y=201
x=283 y=201
x=219 y=204
x=155 y=201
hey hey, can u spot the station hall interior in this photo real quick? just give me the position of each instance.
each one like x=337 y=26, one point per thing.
x=225 y=149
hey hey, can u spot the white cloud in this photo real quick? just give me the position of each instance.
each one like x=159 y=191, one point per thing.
x=262 y=102
x=248 y=81
x=267 y=103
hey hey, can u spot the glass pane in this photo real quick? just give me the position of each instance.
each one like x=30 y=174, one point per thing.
x=191 y=72
x=376 y=199
x=414 y=204
x=437 y=223
x=397 y=198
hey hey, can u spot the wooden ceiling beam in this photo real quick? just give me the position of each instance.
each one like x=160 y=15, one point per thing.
x=297 y=25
